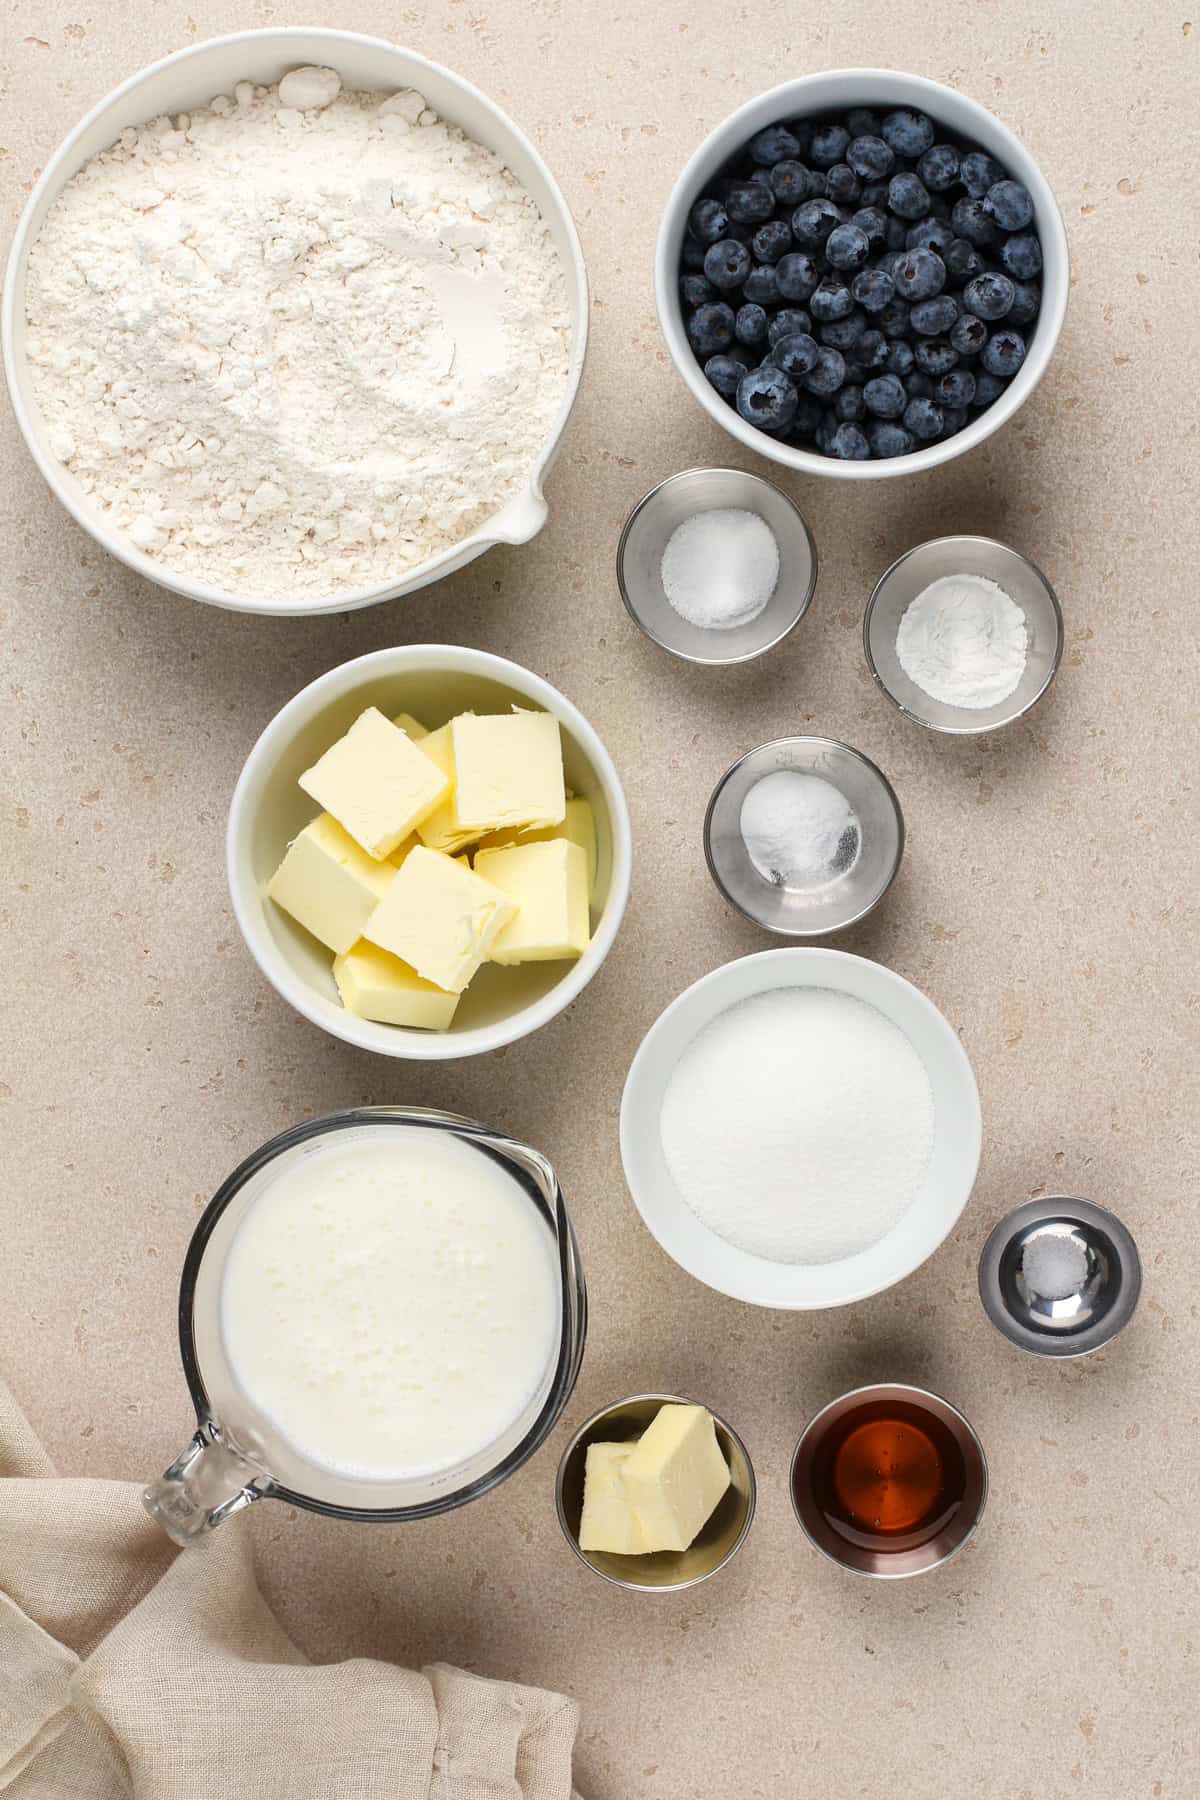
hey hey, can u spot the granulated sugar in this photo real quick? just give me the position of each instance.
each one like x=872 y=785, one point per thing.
x=720 y=568
x=799 y=1125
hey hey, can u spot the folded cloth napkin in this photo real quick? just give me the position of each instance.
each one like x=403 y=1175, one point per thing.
x=129 y=1668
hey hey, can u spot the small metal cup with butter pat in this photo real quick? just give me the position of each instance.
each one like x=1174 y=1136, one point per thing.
x=662 y=1571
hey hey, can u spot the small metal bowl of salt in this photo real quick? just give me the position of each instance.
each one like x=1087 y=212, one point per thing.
x=804 y=836
x=1060 y=1276
x=716 y=566
x=963 y=634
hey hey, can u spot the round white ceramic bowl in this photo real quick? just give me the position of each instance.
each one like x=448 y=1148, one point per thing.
x=831 y=91
x=432 y=681
x=933 y=1213
x=192 y=77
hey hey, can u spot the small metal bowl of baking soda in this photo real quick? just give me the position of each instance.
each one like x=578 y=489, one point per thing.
x=963 y=634
x=1060 y=1276
x=716 y=566
x=804 y=836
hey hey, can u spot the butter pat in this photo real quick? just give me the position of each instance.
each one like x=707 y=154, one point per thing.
x=674 y=1476
x=439 y=831
x=402 y=849
x=376 y=783
x=547 y=883
x=411 y=727
x=328 y=884
x=440 y=918
x=508 y=772
x=377 y=986
x=578 y=827
x=609 y=1521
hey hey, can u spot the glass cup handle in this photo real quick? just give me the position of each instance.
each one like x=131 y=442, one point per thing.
x=206 y=1484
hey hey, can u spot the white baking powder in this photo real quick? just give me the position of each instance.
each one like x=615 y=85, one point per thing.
x=720 y=568
x=798 y=829
x=963 y=642
x=799 y=1125
x=299 y=340
x=1055 y=1264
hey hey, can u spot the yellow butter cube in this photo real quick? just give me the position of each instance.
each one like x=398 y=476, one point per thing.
x=439 y=831
x=508 y=772
x=401 y=851
x=411 y=727
x=547 y=883
x=329 y=884
x=609 y=1521
x=440 y=918
x=578 y=827
x=376 y=783
x=675 y=1475
x=374 y=985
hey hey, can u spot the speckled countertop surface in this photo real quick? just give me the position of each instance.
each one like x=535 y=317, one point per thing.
x=1046 y=903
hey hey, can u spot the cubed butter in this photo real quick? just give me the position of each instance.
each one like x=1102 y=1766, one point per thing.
x=674 y=1476
x=440 y=918
x=411 y=727
x=401 y=851
x=375 y=985
x=329 y=884
x=609 y=1521
x=578 y=827
x=508 y=772
x=376 y=783
x=439 y=831
x=547 y=884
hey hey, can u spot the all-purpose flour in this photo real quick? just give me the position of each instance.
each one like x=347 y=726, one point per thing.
x=299 y=340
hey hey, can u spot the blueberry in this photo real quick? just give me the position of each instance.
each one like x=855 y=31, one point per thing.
x=897 y=232
x=774 y=145
x=797 y=275
x=979 y=172
x=1022 y=256
x=872 y=221
x=871 y=350
x=987 y=388
x=989 y=296
x=929 y=234
x=825 y=432
x=802 y=130
x=844 y=334
x=962 y=261
x=772 y=240
x=887 y=439
x=1004 y=352
x=789 y=183
x=893 y=320
x=889 y=262
x=818 y=187
x=874 y=194
x=788 y=319
x=1010 y=204
x=873 y=288
x=832 y=300
x=813 y=221
x=694 y=290
x=862 y=122
x=762 y=175
x=692 y=254
x=766 y=398
x=907 y=133
x=727 y=264
x=955 y=388
x=938 y=167
x=847 y=247
x=871 y=158
x=710 y=328
x=750 y=324
x=934 y=318
x=829 y=144
x=761 y=285
x=968 y=334
x=919 y=275
x=795 y=354
x=849 y=442
x=934 y=355
x=725 y=372
x=908 y=195
x=953 y=419
x=708 y=221
x=924 y=418
x=808 y=417
x=750 y=202
x=971 y=222
x=899 y=357
x=885 y=396
x=1027 y=298
x=919 y=384
x=848 y=405
x=842 y=185
x=856 y=374
x=827 y=373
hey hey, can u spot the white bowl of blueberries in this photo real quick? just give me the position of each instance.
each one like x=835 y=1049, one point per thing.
x=861 y=273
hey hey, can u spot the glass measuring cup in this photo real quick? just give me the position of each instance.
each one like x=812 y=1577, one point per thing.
x=237 y=1456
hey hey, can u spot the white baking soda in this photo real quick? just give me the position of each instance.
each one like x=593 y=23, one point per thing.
x=391 y=1303
x=798 y=1125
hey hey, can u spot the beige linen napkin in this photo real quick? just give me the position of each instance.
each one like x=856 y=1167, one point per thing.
x=129 y=1668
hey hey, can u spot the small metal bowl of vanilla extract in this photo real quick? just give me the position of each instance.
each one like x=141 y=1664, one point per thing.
x=889 y=1481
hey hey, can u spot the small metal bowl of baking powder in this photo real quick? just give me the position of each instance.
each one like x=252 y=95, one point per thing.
x=828 y=894
x=1060 y=1276
x=916 y=570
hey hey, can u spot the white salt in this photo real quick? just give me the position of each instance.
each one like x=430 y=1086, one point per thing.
x=798 y=829
x=720 y=568
x=1055 y=1265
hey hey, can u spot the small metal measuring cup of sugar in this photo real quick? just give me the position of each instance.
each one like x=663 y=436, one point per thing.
x=1060 y=1276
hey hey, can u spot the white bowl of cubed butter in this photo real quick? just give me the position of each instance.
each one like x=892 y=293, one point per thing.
x=429 y=852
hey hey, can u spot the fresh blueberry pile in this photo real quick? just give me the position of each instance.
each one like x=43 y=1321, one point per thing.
x=861 y=285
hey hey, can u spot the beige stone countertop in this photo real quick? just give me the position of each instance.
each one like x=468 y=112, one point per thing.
x=1047 y=903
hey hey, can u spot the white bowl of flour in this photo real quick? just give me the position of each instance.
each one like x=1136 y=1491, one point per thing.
x=296 y=348
x=800 y=1129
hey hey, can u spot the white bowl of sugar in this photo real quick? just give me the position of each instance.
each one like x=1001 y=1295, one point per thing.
x=800 y=1129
